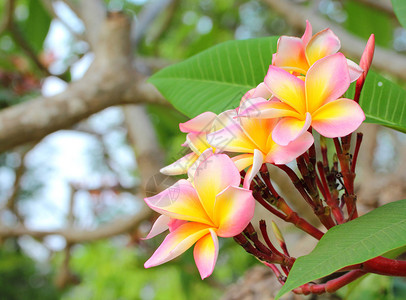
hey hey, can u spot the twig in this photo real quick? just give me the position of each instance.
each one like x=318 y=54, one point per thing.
x=19 y=38
x=148 y=14
x=8 y=16
x=330 y=286
x=49 y=7
x=262 y=227
x=79 y=235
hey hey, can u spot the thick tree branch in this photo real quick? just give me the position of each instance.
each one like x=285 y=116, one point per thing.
x=110 y=80
x=78 y=235
x=296 y=15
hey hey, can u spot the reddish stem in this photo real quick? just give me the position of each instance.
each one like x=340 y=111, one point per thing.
x=383 y=266
x=331 y=285
x=337 y=144
x=348 y=176
x=297 y=183
x=292 y=217
x=266 y=205
x=332 y=203
x=265 y=176
x=276 y=271
x=271 y=258
x=262 y=227
x=356 y=151
x=314 y=202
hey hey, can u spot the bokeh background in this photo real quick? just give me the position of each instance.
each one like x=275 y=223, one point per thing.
x=83 y=135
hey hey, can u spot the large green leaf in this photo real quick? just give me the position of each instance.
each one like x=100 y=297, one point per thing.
x=216 y=79
x=363 y=19
x=383 y=102
x=366 y=237
x=399 y=7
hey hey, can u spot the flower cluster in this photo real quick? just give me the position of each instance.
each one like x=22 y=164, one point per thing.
x=273 y=124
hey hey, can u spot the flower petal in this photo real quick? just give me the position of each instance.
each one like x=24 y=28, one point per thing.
x=177 y=242
x=322 y=44
x=202 y=157
x=180 y=201
x=354 y=69
x=200 y=123
x=197 y=142
x=234 y=209
x=265 y=109
x=175 y=224
x=327 y=80
x=307 y=34
x=159 y=226
x=213 y=176
x=224 y=119
x=261 y=91
x=338 y=118
x=205 y=253
x=232 y=137
x=288 y=129
x=181 y=165
x=284 y=154
x=290 y=55
x=243 y=160
x=258 y=130
x=286 y=87
x=257 y=162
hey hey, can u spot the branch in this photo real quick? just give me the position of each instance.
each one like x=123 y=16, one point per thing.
x=110 y=80
x=145 y=18
x=296 y=15
x=10 y=26
x=19 y=173
x=8 y=15
x=48 y=5
x=382 y=5
x=78 y=235
x=143 y=138
x=93 y=14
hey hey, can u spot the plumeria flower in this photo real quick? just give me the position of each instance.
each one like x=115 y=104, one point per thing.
x=212 y=206
x=313 y=102
x=299 y=54
x=261 y=91
x=196 y=129
x=253 y=139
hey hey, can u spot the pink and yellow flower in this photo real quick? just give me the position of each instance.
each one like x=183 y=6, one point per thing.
x=261 y=91
x=212 y=206
x=314 y=102
x=196 y=129
x=252 y=138
x=299 y=54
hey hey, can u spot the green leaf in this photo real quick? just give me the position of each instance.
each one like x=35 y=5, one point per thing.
x=383 y=102
x=36 y=27
x=216 y=79
x=399 y=7
x=363 y=19
x=366 y=237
